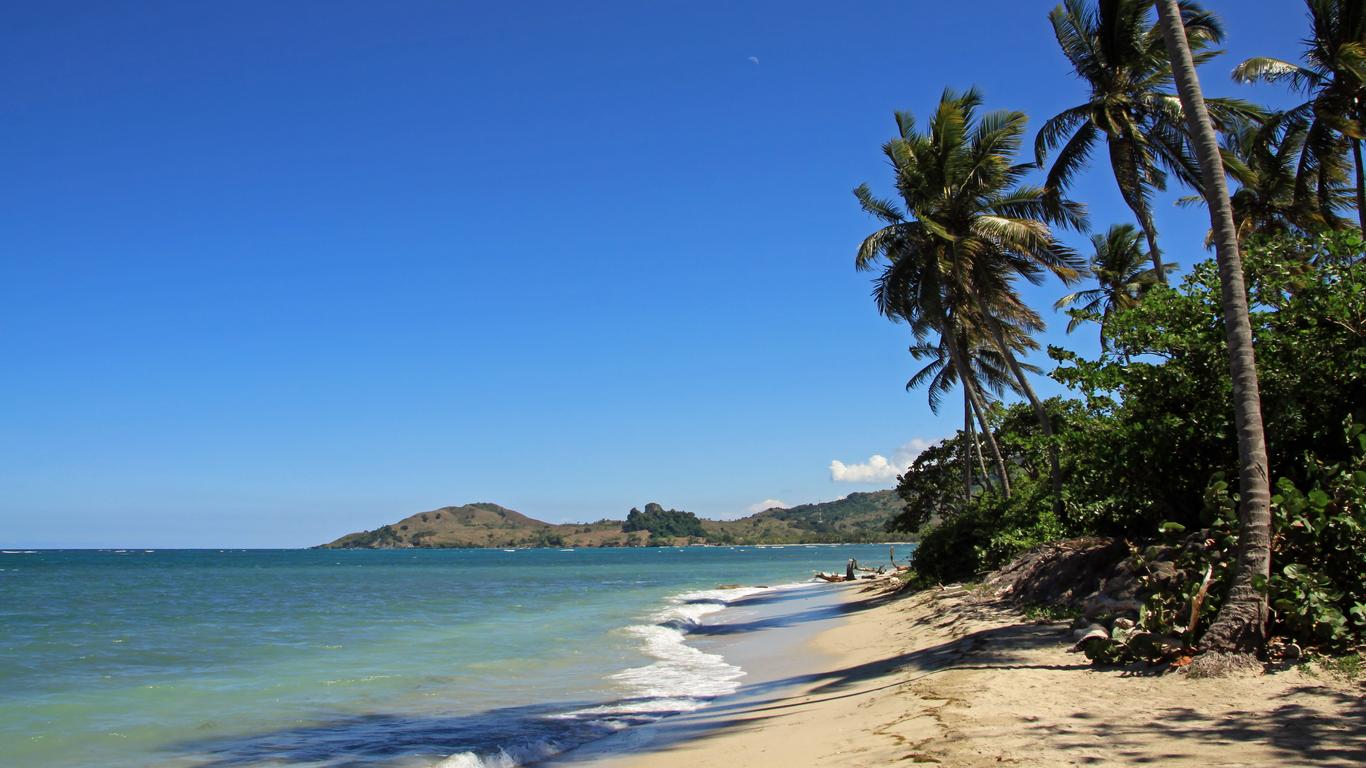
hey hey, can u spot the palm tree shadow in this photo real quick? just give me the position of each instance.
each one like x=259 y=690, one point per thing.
x=1332 y=735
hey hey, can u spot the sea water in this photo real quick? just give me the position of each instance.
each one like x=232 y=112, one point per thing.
x=219 y=659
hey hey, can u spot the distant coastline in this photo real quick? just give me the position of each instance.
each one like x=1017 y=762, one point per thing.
x=858 y=518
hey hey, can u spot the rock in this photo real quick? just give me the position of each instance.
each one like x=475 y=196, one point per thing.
x=1082 y=635
x=1123 y=623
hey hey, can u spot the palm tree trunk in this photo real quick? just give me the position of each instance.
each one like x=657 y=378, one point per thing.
x=1150 y=234
x=1045 y=423
x=1361 y=185
x=978 y=405
x=1240 y=625
x=1123 y=155
x=981 y=461
x=967 y=448
x=975 y=446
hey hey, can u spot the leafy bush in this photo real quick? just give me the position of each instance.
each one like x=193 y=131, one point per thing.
x=1316 y=591
x=1318 y=579
x=987 y=534
x=1159 y=409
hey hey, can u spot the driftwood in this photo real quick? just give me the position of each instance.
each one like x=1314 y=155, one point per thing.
x=853 y=571
x=891 y=555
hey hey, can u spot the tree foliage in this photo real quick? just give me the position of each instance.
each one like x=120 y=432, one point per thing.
x=1148 y=439
x=662 y=523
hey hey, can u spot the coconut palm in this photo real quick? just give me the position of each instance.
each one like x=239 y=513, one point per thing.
x=1114 y=47
x=939 y=375
x=912 y=288
x=1334 y=79
x=1263 y=160
x=969 y=226
x=1241 y=623
x=1120 y=266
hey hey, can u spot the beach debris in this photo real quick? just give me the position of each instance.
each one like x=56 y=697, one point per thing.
x=1085 y=636
x=1199 y=599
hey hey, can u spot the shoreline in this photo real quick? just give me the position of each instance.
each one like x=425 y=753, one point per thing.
x=955 y=677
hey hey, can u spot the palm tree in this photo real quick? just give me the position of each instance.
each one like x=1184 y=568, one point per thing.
x=1120 y=266
x=1265 y=160
x=991 y=374
x=970 y=225
x=1113 y=46
x=1240 y=625
x=1334 y=79
x=911 y=288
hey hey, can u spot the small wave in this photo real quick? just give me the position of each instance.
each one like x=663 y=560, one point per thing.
x=682 y=678
x=506 y=757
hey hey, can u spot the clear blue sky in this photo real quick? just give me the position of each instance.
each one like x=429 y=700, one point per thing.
x=273 y=272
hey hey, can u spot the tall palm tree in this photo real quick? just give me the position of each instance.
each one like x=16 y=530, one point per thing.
x=912 y=288
x=1334 y=79
x=1240 y=625
x=1114 y=47
x=1120 y=266
x=969 y=226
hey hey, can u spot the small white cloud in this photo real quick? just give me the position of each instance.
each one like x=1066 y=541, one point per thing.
x=878 y=468
x=753 y=59
x=758 y=507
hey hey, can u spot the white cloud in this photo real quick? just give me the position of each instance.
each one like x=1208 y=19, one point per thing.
x=878 y=468
x=754 y=59
x=758 y=507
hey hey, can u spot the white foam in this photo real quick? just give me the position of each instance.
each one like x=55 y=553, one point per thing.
x=506 y=757
x=682 y=678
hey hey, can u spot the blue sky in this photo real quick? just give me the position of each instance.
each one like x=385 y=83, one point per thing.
x=273 y=272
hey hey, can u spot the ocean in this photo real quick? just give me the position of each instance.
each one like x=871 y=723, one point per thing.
x=451 y=658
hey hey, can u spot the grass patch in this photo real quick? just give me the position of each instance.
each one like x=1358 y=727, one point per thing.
x=1048 y=614
x=1351 y=667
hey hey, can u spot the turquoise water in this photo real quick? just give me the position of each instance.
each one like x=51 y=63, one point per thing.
x=357 y=658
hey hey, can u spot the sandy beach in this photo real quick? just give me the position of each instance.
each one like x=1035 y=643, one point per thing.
x=954 y=677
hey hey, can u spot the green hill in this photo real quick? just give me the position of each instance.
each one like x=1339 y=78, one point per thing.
x=859 y=517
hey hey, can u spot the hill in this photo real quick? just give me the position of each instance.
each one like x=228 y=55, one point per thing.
x=859 y=517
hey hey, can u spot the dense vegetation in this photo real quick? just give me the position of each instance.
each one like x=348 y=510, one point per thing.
x=1171 y=439
x=662 y=523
